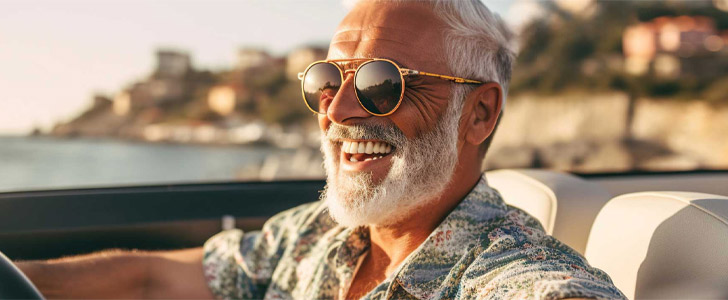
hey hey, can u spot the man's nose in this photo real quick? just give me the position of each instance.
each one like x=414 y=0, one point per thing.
x=345 y=106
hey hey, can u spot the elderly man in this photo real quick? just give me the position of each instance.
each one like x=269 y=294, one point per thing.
x=407 y=102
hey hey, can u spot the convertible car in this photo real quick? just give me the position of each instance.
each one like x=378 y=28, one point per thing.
x=658 y=235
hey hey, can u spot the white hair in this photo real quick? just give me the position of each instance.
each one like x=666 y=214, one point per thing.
x=478 y=45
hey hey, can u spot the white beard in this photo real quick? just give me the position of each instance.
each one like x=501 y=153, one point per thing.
x=421 y=170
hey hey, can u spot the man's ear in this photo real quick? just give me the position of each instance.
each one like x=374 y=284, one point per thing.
x=482 y=108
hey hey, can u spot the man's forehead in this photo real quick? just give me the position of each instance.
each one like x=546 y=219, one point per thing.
x=406 y=31
x=348 y=32
x=374 y=41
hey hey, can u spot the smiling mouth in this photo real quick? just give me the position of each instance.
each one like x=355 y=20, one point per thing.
x=356 y=151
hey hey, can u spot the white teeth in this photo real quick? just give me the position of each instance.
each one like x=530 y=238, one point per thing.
x=352 y=159
x=368 y=159
x=345 y=146
x=365 y=147
x=375 y=158
x=378 y=157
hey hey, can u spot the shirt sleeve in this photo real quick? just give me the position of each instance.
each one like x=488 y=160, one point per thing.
x=240 y=265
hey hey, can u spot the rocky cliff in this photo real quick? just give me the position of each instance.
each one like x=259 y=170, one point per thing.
x=610 y=132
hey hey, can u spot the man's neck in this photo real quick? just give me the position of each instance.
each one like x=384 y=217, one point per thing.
x=394 y=243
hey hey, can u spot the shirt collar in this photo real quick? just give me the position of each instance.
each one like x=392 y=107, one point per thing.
x=348 y=249
x=423 y=274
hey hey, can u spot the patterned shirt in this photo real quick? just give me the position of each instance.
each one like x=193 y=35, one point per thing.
x=483 y=249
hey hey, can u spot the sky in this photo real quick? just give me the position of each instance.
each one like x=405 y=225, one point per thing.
x=56 y=54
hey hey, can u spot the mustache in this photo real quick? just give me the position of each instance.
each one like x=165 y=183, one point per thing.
x=388 y=133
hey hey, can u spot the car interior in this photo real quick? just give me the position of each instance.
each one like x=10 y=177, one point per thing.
x=652 y=241
x=208 y=127
x=663 y=244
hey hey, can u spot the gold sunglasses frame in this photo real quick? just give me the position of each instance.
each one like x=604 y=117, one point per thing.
x=363 y=61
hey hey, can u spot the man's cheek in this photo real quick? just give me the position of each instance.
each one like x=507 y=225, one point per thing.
x=324 y=122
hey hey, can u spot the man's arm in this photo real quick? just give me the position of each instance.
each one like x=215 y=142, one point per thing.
x=121 y=274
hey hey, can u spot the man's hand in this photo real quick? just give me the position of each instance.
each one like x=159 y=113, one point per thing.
x=121 y=274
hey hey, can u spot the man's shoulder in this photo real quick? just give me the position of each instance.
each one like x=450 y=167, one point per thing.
x=516 y=236
x=516 y=228
x=516 y=258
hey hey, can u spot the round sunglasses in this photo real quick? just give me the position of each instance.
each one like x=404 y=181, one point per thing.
x=379 y=83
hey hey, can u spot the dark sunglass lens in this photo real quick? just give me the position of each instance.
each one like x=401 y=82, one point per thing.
x=320 y=84
x=379 y=86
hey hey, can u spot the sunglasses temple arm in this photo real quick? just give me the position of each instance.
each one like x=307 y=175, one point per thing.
x=409 y=72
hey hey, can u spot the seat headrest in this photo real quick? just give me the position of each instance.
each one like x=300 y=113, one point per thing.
x=663 y=244
x=565 y=205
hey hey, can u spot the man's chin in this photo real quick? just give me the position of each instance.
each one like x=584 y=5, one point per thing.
x=354 y=200
x=345 y=215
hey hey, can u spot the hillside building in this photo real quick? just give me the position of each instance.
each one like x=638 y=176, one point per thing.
x=299 y=59
x=674 y=46
x=250 y=58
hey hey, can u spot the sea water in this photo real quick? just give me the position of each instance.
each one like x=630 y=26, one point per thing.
x=33 y=163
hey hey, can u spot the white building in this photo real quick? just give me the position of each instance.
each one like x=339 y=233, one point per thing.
x=249 y=58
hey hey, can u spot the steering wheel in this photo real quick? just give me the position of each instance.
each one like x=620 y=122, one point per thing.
x=13 y=283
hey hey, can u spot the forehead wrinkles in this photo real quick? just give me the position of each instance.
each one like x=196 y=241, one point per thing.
x=403 y=45
x=393 y=34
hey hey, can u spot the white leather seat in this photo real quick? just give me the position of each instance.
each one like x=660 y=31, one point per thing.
x=565 y=204
x=663 y=244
